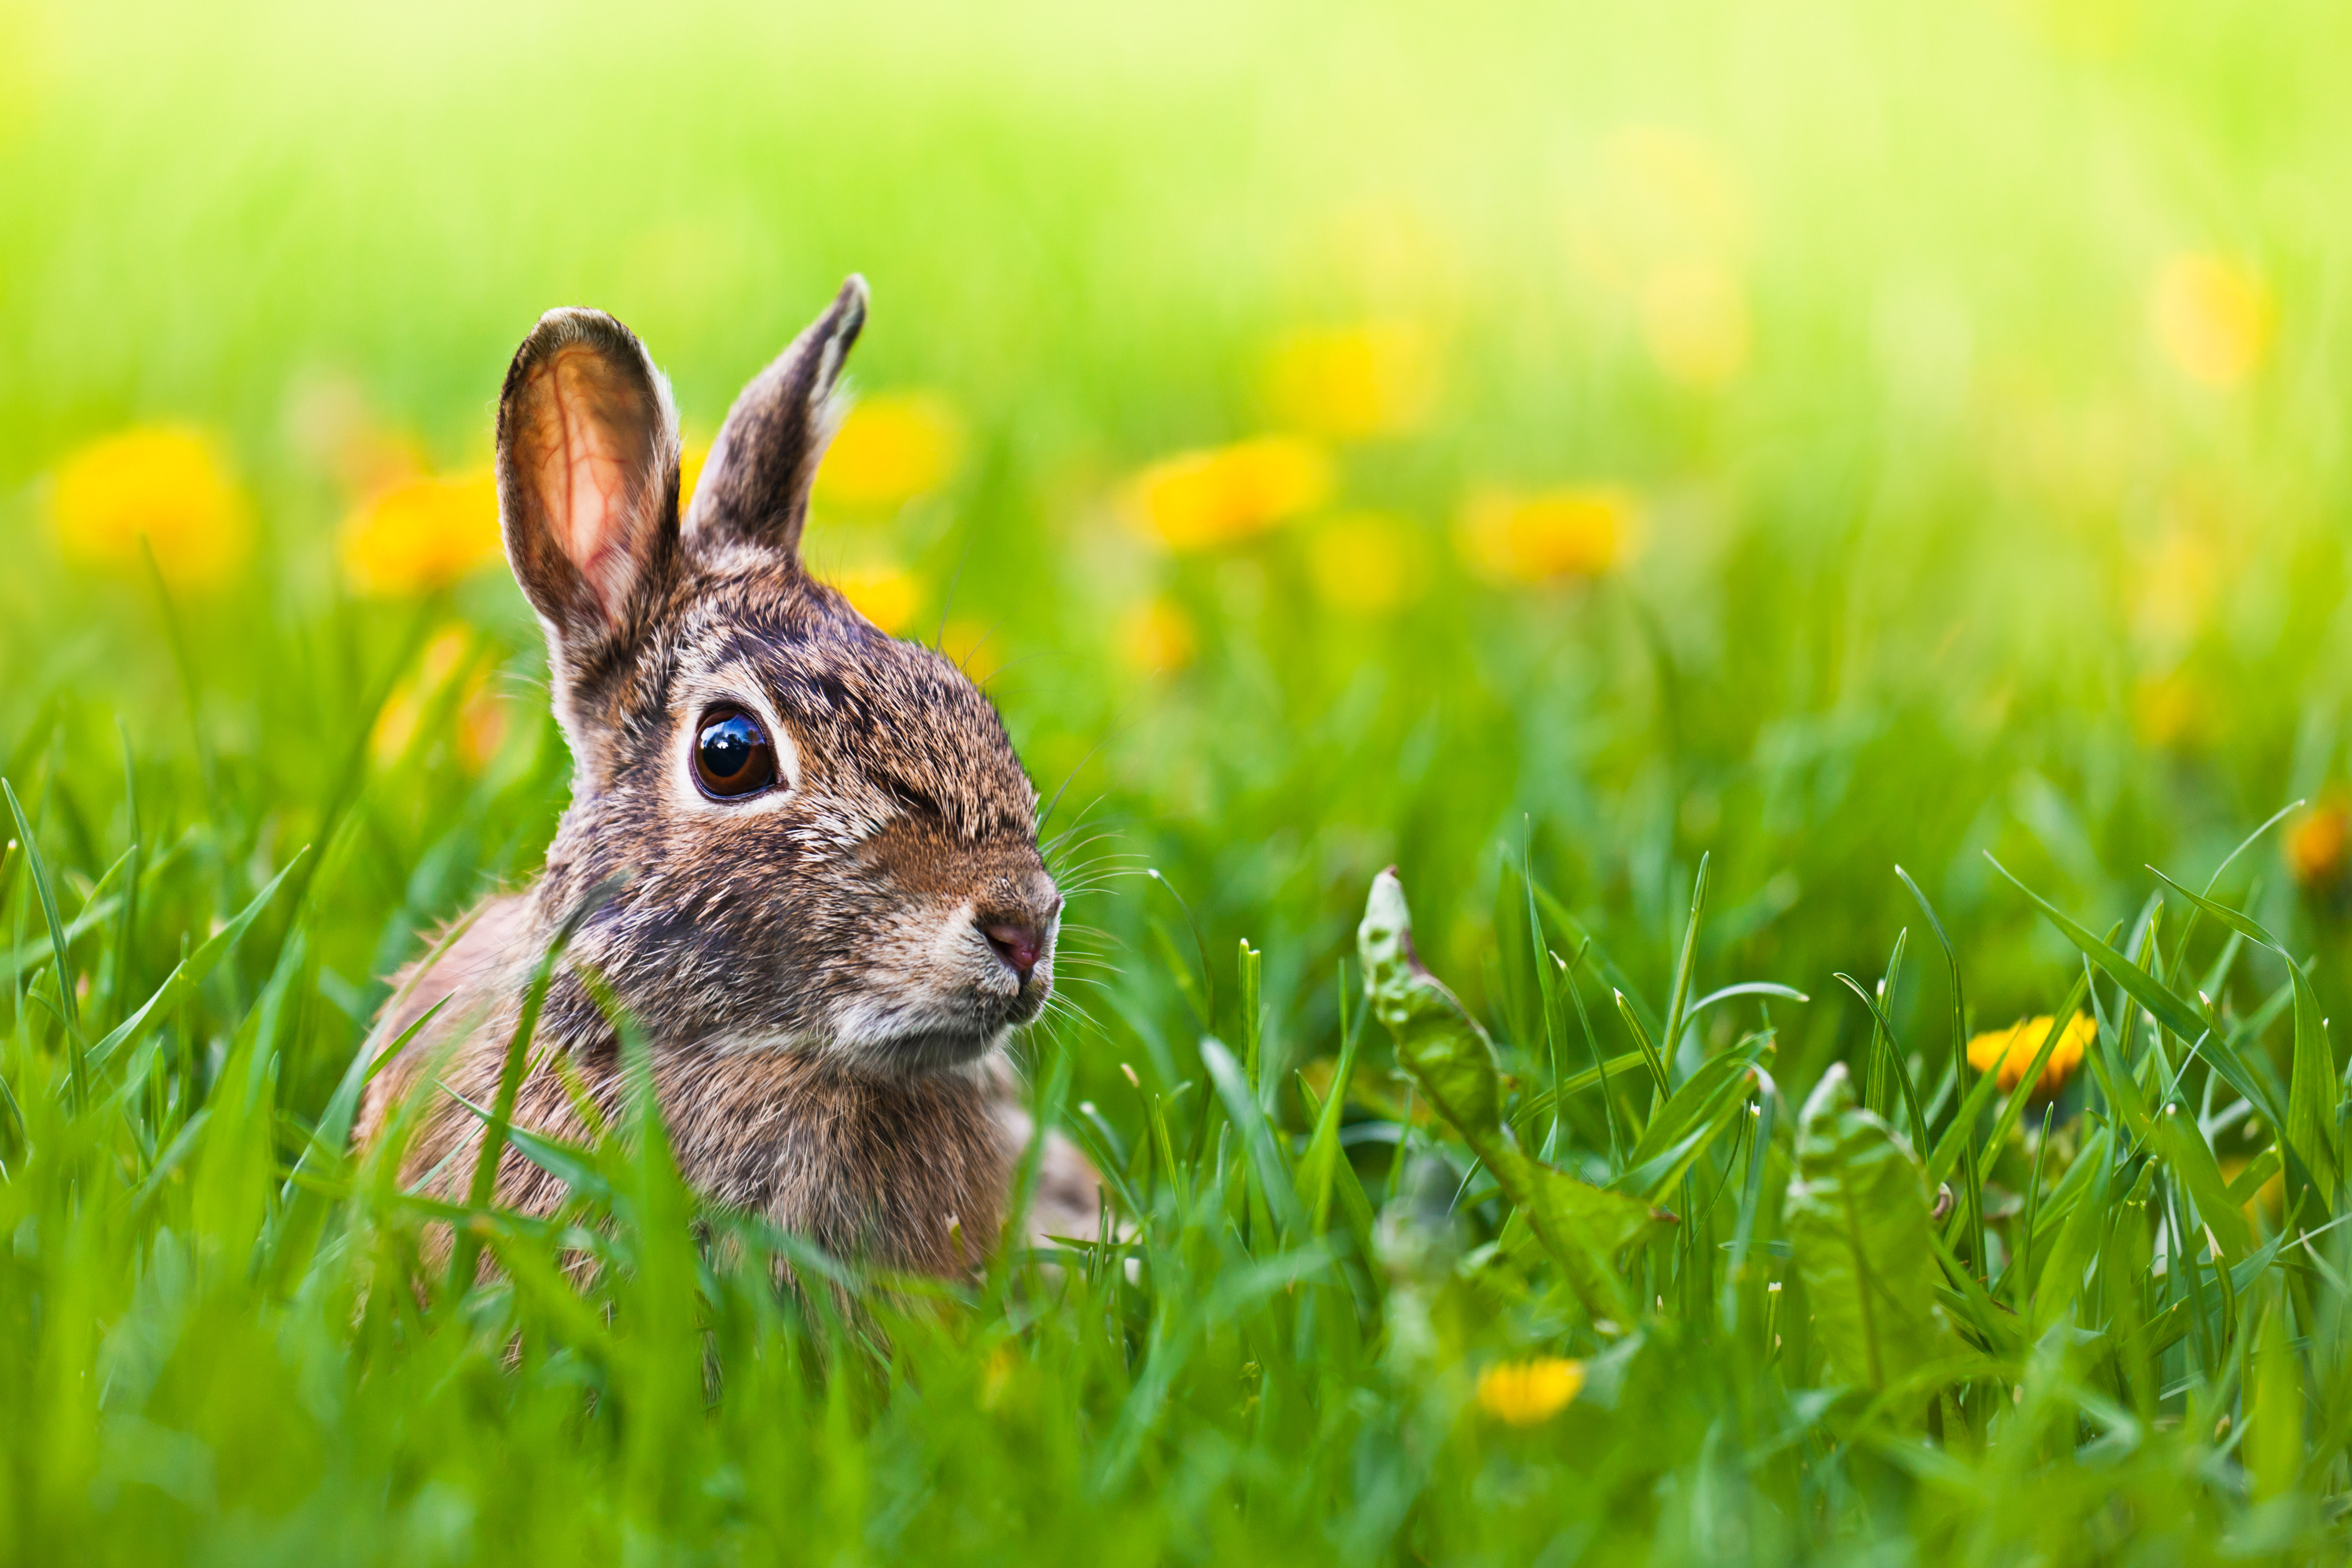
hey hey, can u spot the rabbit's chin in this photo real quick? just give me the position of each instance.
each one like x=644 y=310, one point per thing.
x=892 y=1036
x=927 y=1051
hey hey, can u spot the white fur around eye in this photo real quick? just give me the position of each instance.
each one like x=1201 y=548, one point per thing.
x=788 y=755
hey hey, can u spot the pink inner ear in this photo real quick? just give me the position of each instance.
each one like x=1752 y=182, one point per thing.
x=594 y=440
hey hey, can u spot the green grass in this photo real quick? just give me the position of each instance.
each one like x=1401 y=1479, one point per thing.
x=1957 y=565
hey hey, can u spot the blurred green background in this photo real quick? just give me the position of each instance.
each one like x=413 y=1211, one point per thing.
x=1815 y=436
x=1819 y=434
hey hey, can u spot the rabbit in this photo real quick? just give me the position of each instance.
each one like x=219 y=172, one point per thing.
x=834 y=910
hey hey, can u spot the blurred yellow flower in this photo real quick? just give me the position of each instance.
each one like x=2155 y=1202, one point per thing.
x=1580 y=530
x=1694 y=320
x=2318 y=846
x=1674 y=191
x=2012 y=1051
x=1350 y=383
x=1366 y=562
x=893 y=447
x=2170 y=710
x=480 y=718
x=422 y=534
x=1197 y=499
x=996 y=1376
x=2211 y=317
x=1525 y=1393
x=2176 y=585
x=2269 y=1198
x=692 y=457
x=976 y=649
x=886 y=595
x=164 y=482
x=1156 y=637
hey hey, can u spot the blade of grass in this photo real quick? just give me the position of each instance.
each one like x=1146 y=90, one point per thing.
x=1273 y=1175
x=1602 y=964
x=1649 y=1051
x=126 y=934
x=2313 y=1091
x=1670 y=1041
x=1598 y=1072
x=467 y=1248
x=181 y=984
x=1751 y=1193
x=1958 y=1137
x=2213 y=882
x=1547 y=968
x=2163 y=1003
x=37 y=868
x=1879 y=1025
x=1974 y=1193
x=1318 y=1167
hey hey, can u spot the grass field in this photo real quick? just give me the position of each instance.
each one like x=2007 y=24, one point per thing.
x=1647 y=474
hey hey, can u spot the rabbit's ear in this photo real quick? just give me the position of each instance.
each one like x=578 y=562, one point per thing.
x=754 y=488
x=587 y=481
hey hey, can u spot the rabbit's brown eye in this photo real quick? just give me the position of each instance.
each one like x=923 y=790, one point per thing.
x=731 y=756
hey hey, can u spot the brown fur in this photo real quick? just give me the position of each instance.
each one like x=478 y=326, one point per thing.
x=825 y=1009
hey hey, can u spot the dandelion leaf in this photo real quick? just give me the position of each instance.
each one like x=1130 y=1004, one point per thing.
x=1858 y=1224
x=1580 y=1226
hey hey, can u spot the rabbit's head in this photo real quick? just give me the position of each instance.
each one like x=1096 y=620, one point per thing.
x=830 y=844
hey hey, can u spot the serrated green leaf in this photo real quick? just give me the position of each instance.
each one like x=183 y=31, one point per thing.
x=1859 y=1229
x=1581 y=1226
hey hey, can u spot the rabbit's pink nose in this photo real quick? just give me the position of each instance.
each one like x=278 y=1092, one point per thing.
x=1017 y=946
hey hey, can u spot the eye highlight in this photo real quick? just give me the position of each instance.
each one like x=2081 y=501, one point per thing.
x=732 y=755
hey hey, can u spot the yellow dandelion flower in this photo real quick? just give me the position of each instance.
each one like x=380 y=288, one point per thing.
x=163 y=482
x=482 y=716
x=2318 y=848
x=1525 y=1393
x=2009 y=1052
x=1197 y=499
x=2211 y=317
x=422 y=534
x=1351 y=383
x=1156 y=637
x=1695 y=323
x=1367 y=561
x=977 y=648
x=887 y=595
x=1577 y=531
x=893 y=447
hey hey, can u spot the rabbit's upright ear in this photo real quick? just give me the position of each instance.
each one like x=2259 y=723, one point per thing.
x=587 y=484
x=754 y=488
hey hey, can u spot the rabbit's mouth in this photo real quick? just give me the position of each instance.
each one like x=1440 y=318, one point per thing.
x=935 y=1045
x=952 y=1020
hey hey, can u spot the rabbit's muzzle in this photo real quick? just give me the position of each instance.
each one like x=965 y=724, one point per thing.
x=1017 y=917
x=967 y=956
